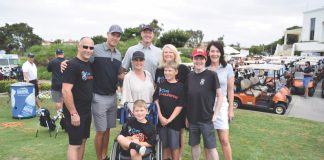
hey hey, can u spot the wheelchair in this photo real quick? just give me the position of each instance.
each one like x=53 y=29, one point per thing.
x=156 y=151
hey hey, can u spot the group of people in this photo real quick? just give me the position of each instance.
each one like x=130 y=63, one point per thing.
x=200 y=100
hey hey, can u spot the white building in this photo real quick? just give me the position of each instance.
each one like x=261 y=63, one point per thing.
x=310 y=36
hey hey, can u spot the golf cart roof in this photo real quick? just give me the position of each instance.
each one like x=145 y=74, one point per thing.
x=312 y=63
x=254 y=62
x=286 y=61
x=273 y=58
x=263 y=67
x=238 y=56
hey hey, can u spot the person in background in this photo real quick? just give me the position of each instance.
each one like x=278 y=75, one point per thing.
x=216 y=62
x=56 y=88
x=308 y=76
x=29 y=69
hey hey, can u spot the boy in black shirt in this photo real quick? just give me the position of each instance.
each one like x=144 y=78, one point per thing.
x=202 y=89
x=168 y=97
x=138 y=135
x=77 y=96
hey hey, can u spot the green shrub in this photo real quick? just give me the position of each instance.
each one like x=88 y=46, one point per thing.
x=42 y=73
x=22 y=60
x=123 y=46
x=185 y=59
x=185 y=52
x=44 y=86
x=43 y=54
x=5 y=85
x=176 y=37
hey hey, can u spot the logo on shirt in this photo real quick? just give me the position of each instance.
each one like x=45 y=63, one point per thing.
x=166 y=93
x=86 y=75
x=202 y=82
x=132 y=131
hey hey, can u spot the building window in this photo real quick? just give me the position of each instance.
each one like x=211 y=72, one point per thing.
x=312 y=29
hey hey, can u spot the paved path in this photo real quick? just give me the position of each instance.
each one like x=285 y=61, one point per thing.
x=311 y=108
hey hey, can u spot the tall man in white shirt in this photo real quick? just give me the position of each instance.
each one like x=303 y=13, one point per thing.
x=30 y=74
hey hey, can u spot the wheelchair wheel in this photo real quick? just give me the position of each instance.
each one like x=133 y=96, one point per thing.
x=158 y=150
x=113 y=153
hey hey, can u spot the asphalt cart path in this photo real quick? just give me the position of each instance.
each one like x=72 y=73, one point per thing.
x=311 y=108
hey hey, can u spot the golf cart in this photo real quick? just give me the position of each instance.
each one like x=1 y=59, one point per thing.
x=252 y=93
x=272 y=78
x=8 y=63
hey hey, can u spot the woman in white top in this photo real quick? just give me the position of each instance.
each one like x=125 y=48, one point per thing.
x=138 y=83
x=216 y=62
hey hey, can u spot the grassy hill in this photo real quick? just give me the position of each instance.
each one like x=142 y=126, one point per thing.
x=254 y=135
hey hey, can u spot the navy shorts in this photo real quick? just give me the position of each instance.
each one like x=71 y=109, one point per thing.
x=206 y=129
x=170 y=137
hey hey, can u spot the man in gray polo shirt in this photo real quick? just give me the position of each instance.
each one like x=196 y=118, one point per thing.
x=106 y=66
x=152 y=53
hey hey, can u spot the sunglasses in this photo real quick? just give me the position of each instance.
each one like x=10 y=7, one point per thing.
x=86 y=47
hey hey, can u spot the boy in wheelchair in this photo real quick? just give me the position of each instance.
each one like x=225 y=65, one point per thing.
x=138 y=135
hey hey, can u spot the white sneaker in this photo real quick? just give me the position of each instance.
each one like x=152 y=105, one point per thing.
x=142 y=150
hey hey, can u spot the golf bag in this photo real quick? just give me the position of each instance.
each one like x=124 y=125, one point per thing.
x=45 y=120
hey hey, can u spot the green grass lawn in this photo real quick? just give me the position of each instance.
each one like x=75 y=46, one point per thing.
x=254 y=135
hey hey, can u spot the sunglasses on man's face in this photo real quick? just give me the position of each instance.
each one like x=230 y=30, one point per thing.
x=86 y=47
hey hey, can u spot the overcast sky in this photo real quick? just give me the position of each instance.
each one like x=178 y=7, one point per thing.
x=247 y=22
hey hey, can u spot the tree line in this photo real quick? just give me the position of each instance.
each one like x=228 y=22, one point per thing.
x=19 y=37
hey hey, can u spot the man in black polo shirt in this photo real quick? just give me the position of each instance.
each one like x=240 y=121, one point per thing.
x=106 y=65
x=56 y=88
x=77 y=96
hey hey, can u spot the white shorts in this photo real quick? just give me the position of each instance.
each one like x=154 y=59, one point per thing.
x=222 y=117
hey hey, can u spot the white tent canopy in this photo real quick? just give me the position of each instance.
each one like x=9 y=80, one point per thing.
x=230 y=50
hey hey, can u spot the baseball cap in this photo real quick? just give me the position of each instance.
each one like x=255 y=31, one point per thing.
x=138 y=54
x=199 y=52
x=30 y=55
x=59 y=51
x=147 y=27
x=115 y=29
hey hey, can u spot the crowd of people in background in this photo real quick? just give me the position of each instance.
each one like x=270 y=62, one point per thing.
x=200 y=100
